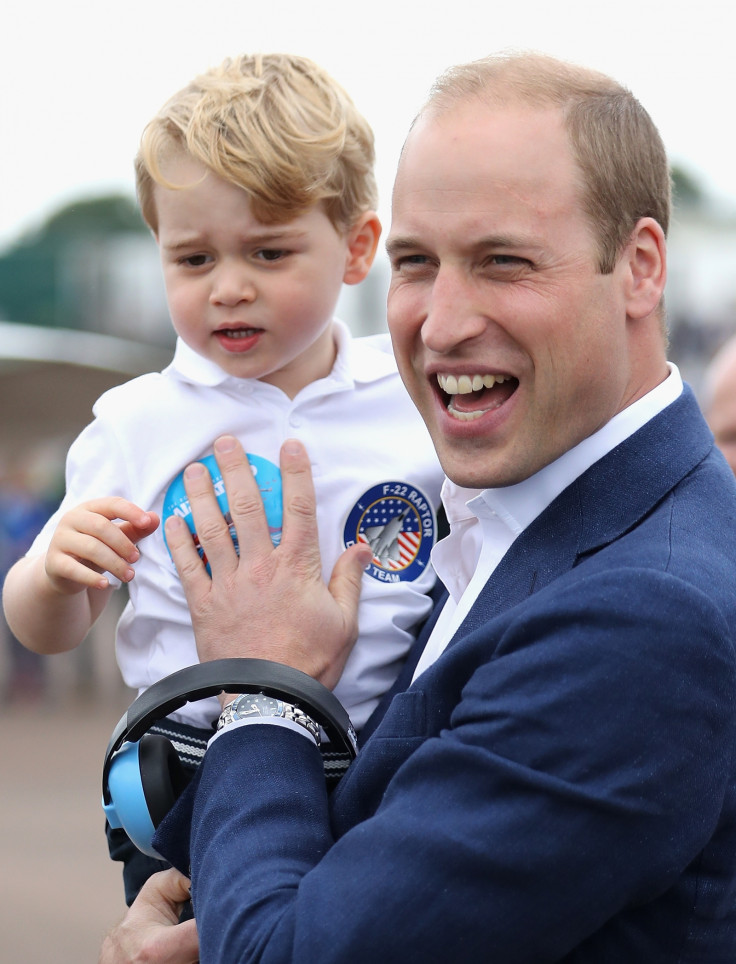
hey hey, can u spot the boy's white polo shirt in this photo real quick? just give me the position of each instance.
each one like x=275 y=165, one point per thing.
x=361 y=431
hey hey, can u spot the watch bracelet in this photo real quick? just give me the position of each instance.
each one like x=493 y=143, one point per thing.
x=296 y=715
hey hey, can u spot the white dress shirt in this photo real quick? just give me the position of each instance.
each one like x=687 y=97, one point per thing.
x=485 y=523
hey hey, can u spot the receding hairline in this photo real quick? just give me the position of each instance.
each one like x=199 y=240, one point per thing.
x=514 y=77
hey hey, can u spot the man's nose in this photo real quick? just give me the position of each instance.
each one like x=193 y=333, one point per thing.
x=453 y=313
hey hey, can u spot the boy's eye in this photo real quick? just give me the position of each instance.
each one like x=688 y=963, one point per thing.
x=271 y=254
x=195 y=260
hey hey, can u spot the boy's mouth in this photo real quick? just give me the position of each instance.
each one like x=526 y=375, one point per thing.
x=238 y=332
x=238 y=339
x=467 y=397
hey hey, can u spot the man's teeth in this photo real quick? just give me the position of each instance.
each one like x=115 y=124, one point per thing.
x=465 y=384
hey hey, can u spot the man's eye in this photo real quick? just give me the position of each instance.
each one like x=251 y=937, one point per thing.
x=508 y=260
x=409 y=261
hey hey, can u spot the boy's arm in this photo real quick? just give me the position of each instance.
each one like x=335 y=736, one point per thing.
x=43 y=619
x=52 y=600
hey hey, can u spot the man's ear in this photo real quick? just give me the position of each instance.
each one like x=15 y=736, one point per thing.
x=645 y=259
x=362 y=241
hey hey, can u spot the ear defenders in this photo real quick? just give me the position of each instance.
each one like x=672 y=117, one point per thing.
x=142 y=777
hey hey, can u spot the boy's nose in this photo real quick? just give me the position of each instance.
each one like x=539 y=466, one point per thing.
x=231 y=286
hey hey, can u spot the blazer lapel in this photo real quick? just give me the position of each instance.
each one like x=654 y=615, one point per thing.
x=611 y=497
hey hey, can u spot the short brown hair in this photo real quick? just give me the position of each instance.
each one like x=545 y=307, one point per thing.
x=275 y=125
x=618 y=149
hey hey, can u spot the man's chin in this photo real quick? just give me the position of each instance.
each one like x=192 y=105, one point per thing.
x=473 y=468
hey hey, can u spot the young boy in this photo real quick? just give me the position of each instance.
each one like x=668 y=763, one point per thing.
x=257 y=182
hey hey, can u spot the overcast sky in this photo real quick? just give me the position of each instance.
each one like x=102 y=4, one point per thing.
x=79 y=80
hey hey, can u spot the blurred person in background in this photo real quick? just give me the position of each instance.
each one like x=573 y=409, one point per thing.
x=719 y=399
x=27 y=495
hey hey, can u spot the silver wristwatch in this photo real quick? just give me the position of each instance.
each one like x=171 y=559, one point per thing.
x=253 y=705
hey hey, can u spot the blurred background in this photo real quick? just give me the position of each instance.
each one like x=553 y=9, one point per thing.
x=82 y=305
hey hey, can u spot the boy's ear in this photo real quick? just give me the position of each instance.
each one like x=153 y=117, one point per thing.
x=646 y=268
x=362 y=241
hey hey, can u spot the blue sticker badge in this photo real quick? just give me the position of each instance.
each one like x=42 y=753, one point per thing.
x=398 y=522
x=266 y=474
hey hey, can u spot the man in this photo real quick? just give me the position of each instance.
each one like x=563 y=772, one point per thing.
x=557 y=782
x=720 y=400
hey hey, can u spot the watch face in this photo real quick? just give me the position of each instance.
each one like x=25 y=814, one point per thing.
x=256 y=704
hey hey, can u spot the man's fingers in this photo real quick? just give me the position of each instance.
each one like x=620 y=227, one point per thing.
x=244 y=497
x=184 y=553
x=213 y=533
x=300 y=506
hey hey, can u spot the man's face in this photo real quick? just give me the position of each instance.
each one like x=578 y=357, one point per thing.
x=511 y=343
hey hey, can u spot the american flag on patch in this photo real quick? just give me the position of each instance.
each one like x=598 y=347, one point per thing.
x=391 y=527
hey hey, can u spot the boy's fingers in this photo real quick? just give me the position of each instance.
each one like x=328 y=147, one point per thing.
x=117 y=507
x=75 y=576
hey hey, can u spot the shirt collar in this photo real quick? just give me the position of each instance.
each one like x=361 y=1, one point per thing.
x=192 y=367
x=518 y=505
x=364 y=360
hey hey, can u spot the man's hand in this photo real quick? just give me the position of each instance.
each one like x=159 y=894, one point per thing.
x=150 y=930
x=271 y=603
x=95 y=537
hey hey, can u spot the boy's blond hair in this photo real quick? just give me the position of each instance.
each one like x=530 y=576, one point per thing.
x=275 y=125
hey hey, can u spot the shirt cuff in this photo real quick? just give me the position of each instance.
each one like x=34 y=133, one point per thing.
x=263 y=721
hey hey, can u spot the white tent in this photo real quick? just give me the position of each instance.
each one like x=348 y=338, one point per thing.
x=50 y=378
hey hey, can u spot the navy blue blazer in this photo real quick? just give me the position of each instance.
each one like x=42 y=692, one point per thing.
x=560 y=786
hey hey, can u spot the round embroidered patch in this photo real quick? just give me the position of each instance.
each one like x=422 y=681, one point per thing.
x=398 y=522
x=267 y=476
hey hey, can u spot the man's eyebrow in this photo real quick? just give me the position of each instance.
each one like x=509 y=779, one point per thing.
x=397 y=245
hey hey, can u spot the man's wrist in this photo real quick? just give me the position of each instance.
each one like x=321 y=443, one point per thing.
x=258 y=706
x=263 y=721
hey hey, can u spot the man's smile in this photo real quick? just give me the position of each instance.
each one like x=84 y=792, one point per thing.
x=468 y=397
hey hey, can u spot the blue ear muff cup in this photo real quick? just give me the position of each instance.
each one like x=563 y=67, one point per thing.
x=145 y=780
x=163 y=777
x=142 y=776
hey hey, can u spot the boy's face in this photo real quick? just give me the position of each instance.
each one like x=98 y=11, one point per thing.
x=255 y=298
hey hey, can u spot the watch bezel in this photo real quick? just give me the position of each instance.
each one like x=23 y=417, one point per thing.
x=250 y=697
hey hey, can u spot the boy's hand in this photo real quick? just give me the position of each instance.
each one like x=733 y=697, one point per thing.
x=269 y=603
x=96 y=537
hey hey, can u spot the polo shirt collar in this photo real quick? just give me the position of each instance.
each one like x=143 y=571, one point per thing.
x=363 y=360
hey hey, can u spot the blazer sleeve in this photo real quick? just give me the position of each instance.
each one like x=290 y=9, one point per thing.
x=584 y=768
